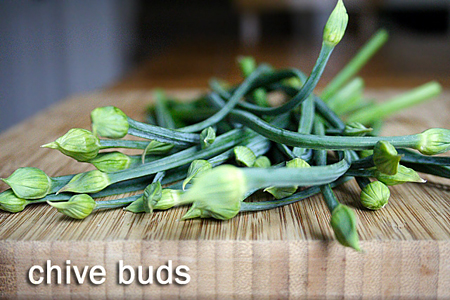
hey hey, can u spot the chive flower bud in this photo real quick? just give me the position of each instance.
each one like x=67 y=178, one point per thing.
x=217 y=194
x=80 y=144
x=207 y=137
x=356 y=129
x=282 y=192
x=109 y=122
x=152 y=194
x=11 y=203
x=375 y=195
x=337 y=23
x=244 y=156
x=247 y=64
x=403 y=175
x=29 y=183
x=156 y=148
x=197 y=167
x=111 y=162
x=78 y=207
x=365 y=153
x=169 y=198
x=262 y=162
x=88 y=182
x=434 y=141
x=386 y=158
x=343 y=222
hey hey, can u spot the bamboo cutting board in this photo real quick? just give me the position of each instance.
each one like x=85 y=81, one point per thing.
x=288 y=252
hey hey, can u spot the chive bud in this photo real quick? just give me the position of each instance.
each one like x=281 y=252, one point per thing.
x=244 y=156
x=247 y=65
x=137 y=206
x=196 y=168
x=375 y=195
x=365 y=153
x=152 y=194
x=386 y=158
x=156 y=148
x=109 y=122
x=217 y=194
x=29 y=183
x=403 y=175
x=169 y=198
x=343 y=222
x=356 y=129
x=88 y=182
x=337 y=23
x=262 y=162
x=111 y=162
x=207 y=137
x=11 y=203
x=78 y=207
x=434 y=141
x=282 y=192
x=80 y=144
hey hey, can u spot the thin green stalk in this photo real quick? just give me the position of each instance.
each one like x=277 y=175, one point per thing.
x=412 y=157
x=441 y=171
x=107 y=144
x=358 y=61
x=163 y=116
x=305 y=124
x=116 y=203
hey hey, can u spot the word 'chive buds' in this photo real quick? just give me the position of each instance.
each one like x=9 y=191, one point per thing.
x=343 y=222
x=375 y=195
x=80 y=144
x=11 y=203
x=78 y=207
x=207 y=137
x=197 y=167
x=386 y=158
x=244 y=156
x=29 y=183
x=337 y=23
x=217 y=194
x=89 y=182
x=403 y=175
x=434 y=141
x=109 y=122
x=111 y=162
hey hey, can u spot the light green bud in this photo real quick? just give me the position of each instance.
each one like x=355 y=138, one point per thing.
x=111 y=162
x=207 y=137
x=78 y=207
x=262 y=162
x=247 y=64
x=283 y=192
x=244 y=156
x=11 y=203
x=137 y=206
x=403 y=175
x=375 y=195
x=169 y=198
x=337 y=23
x=356 y=129
x=434 y=141
x=109 y=122
x=386 y=158
x=197 y=167
x=77 y=143
x=88 y=182
x=217 y=194
x=343 y=222
x=156 y=148
x=365 y=153
x=29 y=183
x=152 y=194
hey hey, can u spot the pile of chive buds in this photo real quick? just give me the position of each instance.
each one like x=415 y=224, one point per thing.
x=215 y=151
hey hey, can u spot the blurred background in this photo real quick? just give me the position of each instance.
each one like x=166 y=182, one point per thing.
x=51 y=49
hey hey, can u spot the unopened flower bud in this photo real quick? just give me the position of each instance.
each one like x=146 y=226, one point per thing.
x=78 y=207
x=88 y=182
x=152 y=194
x=11 y=203
x=337 y=23
x=247 y=64
x=77 y=143
x=262 y=162
x=111 y=162
x=109 y=122
x=29 y=183
x=217 y=193
x=207 y=137
x=386 y=158
x=197 y=167
x=356 y=129
x=375 y=195
x=403 y=175
x=244 y=156
x=343 y=222
x=169 y=198
x=434 y=141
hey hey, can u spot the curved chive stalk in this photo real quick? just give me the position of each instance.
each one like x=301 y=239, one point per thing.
x=247 y=65
x=431 y=141
x=305 y=125
x=411 y=157
x=353 y=67
x=348 y=97
x=399 y=102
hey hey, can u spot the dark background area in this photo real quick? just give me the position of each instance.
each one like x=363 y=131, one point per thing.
x=52 y=49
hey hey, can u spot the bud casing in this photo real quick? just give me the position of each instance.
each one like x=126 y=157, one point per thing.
x=11 y=203
x=111 y=161
x=337 y=23
x=404 y=174
x=262 y=162
x=78 y=207
x=197 y=167
x=88 y=182
x=386 y=158
x=244 y=156
x=109 y=122
x=207 y=137
x=434 y=141
x=29 y=183
x=375 y=195
x=343 y=222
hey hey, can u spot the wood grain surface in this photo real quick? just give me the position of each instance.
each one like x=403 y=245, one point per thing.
x=288 y=252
